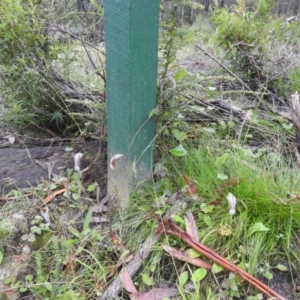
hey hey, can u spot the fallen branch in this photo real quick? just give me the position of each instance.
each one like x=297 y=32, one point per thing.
x=224 y=67
x=213 y=256
x=141 y=254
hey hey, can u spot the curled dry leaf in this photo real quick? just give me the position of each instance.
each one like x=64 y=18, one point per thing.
x=114 y=160
x=10 y=138
x=190 y=186
x=53 y=195
x=190 y=224
x=232 y=203
x=63 y=181
x=77 y=160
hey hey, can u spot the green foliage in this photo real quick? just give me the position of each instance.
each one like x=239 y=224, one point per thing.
x=33 y=88
x=24 y=54
x=244 y=35
x=249 y=36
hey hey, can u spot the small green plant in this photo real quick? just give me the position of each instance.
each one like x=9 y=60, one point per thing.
x=251 y=235
x=37 y=228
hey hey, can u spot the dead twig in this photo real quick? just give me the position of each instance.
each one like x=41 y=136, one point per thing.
x=98 y=153
x=224 y=67
x=235 y=76
x=53 y=195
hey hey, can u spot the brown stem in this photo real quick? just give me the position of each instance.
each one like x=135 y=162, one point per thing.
x=176 y=231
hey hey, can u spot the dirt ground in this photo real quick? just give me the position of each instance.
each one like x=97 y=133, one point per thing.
x=24 y=166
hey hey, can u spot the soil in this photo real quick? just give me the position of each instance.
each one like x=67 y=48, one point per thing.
x=25 y=166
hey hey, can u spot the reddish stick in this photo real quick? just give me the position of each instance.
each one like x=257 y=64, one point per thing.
x=177 y=231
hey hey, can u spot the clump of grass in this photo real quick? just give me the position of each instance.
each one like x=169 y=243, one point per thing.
x=262 y=198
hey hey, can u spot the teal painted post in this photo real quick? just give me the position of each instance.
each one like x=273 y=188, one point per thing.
x=131 y=38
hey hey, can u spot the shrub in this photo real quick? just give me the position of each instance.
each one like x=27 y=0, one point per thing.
x=252 y=38
x=33 y=89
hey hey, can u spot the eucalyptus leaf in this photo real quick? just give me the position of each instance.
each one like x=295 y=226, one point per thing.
x=257 y=227
x=282 y=267
x=178 y=151
x=220 y=161
x=147 y=279
x=87 y=220
x=179 y=135
x=268 y=275
x=199 y=274
x=216 y=268
x=183 y=278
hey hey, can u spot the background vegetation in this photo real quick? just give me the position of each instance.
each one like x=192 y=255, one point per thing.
x=226 y=73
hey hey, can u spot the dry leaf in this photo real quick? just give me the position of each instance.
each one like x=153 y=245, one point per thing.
x=96 y=219
x=120 y=262
x=77 y=160
x=114 y=238
x=155 y=294
x=10 y=138
x=164 y=222
x=220 y=260
x=232 y=203
x=191 y=227
x=9 y=293
x=99 y=208
x=191 y=188
x=53 y=195
x=70 y=264
x=114 y=160
x=45 y=214
x=127 y=282
x=184 y=257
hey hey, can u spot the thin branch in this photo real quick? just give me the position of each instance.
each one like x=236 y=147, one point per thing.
x=224 y=67
x=98 y=153
x=220 y=260
x=92 y=62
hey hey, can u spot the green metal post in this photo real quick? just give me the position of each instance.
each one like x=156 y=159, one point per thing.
x=131 y=37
